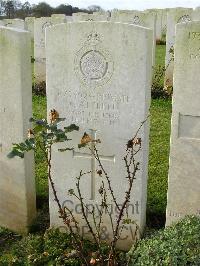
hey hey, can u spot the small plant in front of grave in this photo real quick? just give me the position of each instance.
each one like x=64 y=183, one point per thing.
x=44 y=135
x=118 y=223
x=157 y=90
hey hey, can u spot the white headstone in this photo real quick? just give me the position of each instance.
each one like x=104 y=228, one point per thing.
x=102 y=13
x=58 y=18
x=105 y=90
x=29 y=25
x=184 y=170
x=159 y=15
x=14 y=23
x=144 y=19
x=90 y=17
x=164 y=22
x=40 y=25
x=69 y=18
x=17 y=184
x=63 y=16
x=196 y=14
x=174 y=16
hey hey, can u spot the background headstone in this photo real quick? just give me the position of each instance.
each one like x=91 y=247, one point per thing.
x=159 y=15
x=144 y=19
x=102 y=13
x=164 y=22
x=63 y=16
x=106 y=91
x=60 y=18
x=196 y=14
x=29 y=25
x=40 y=25
x=17 y=184
x=174 y=16
x=14 y=23
x=184 y=170
x=69 y=18
x=90 y=17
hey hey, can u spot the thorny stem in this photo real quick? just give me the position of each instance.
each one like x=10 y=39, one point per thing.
x=62 y=212
x=131 y=177
x=96 y=155
x=129 y=163
x=83 y=210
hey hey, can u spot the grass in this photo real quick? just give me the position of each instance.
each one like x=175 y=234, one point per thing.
x=158 y=153
x=158 y=160
x=160 y=55
x=39 y=111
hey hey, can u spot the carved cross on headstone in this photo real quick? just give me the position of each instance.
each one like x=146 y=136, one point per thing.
x=93 y=161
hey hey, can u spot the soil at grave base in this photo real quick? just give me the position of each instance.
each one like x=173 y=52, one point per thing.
x=42 y=221
x=39 y=88
x=155 y=220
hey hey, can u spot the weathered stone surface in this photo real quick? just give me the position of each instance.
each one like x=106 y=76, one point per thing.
x=17 y=184
x=40 y=25
x=58 y=19
x=14 y=23
x=196 y=14
x=184 y=170
x=29 y=25
x=159 y=16
x=90 y=17
x=63 y=16
x=106 y=91
x=69 y=18
x=102 y=13
x=174 y=16
x=39 y=44
x=164 y=21
x=144 y=19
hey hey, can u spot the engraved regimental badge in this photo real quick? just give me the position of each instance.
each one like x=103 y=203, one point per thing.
x=46 y=25
x=136 y=20
x=93 y=64
x=185 y=18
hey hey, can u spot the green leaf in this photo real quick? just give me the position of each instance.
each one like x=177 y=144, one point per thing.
x=37 y=129
x=82 y=145
x=58 y=120
x=66 y=149
x=30 y=144
x=71 y=128
x=15 y=153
